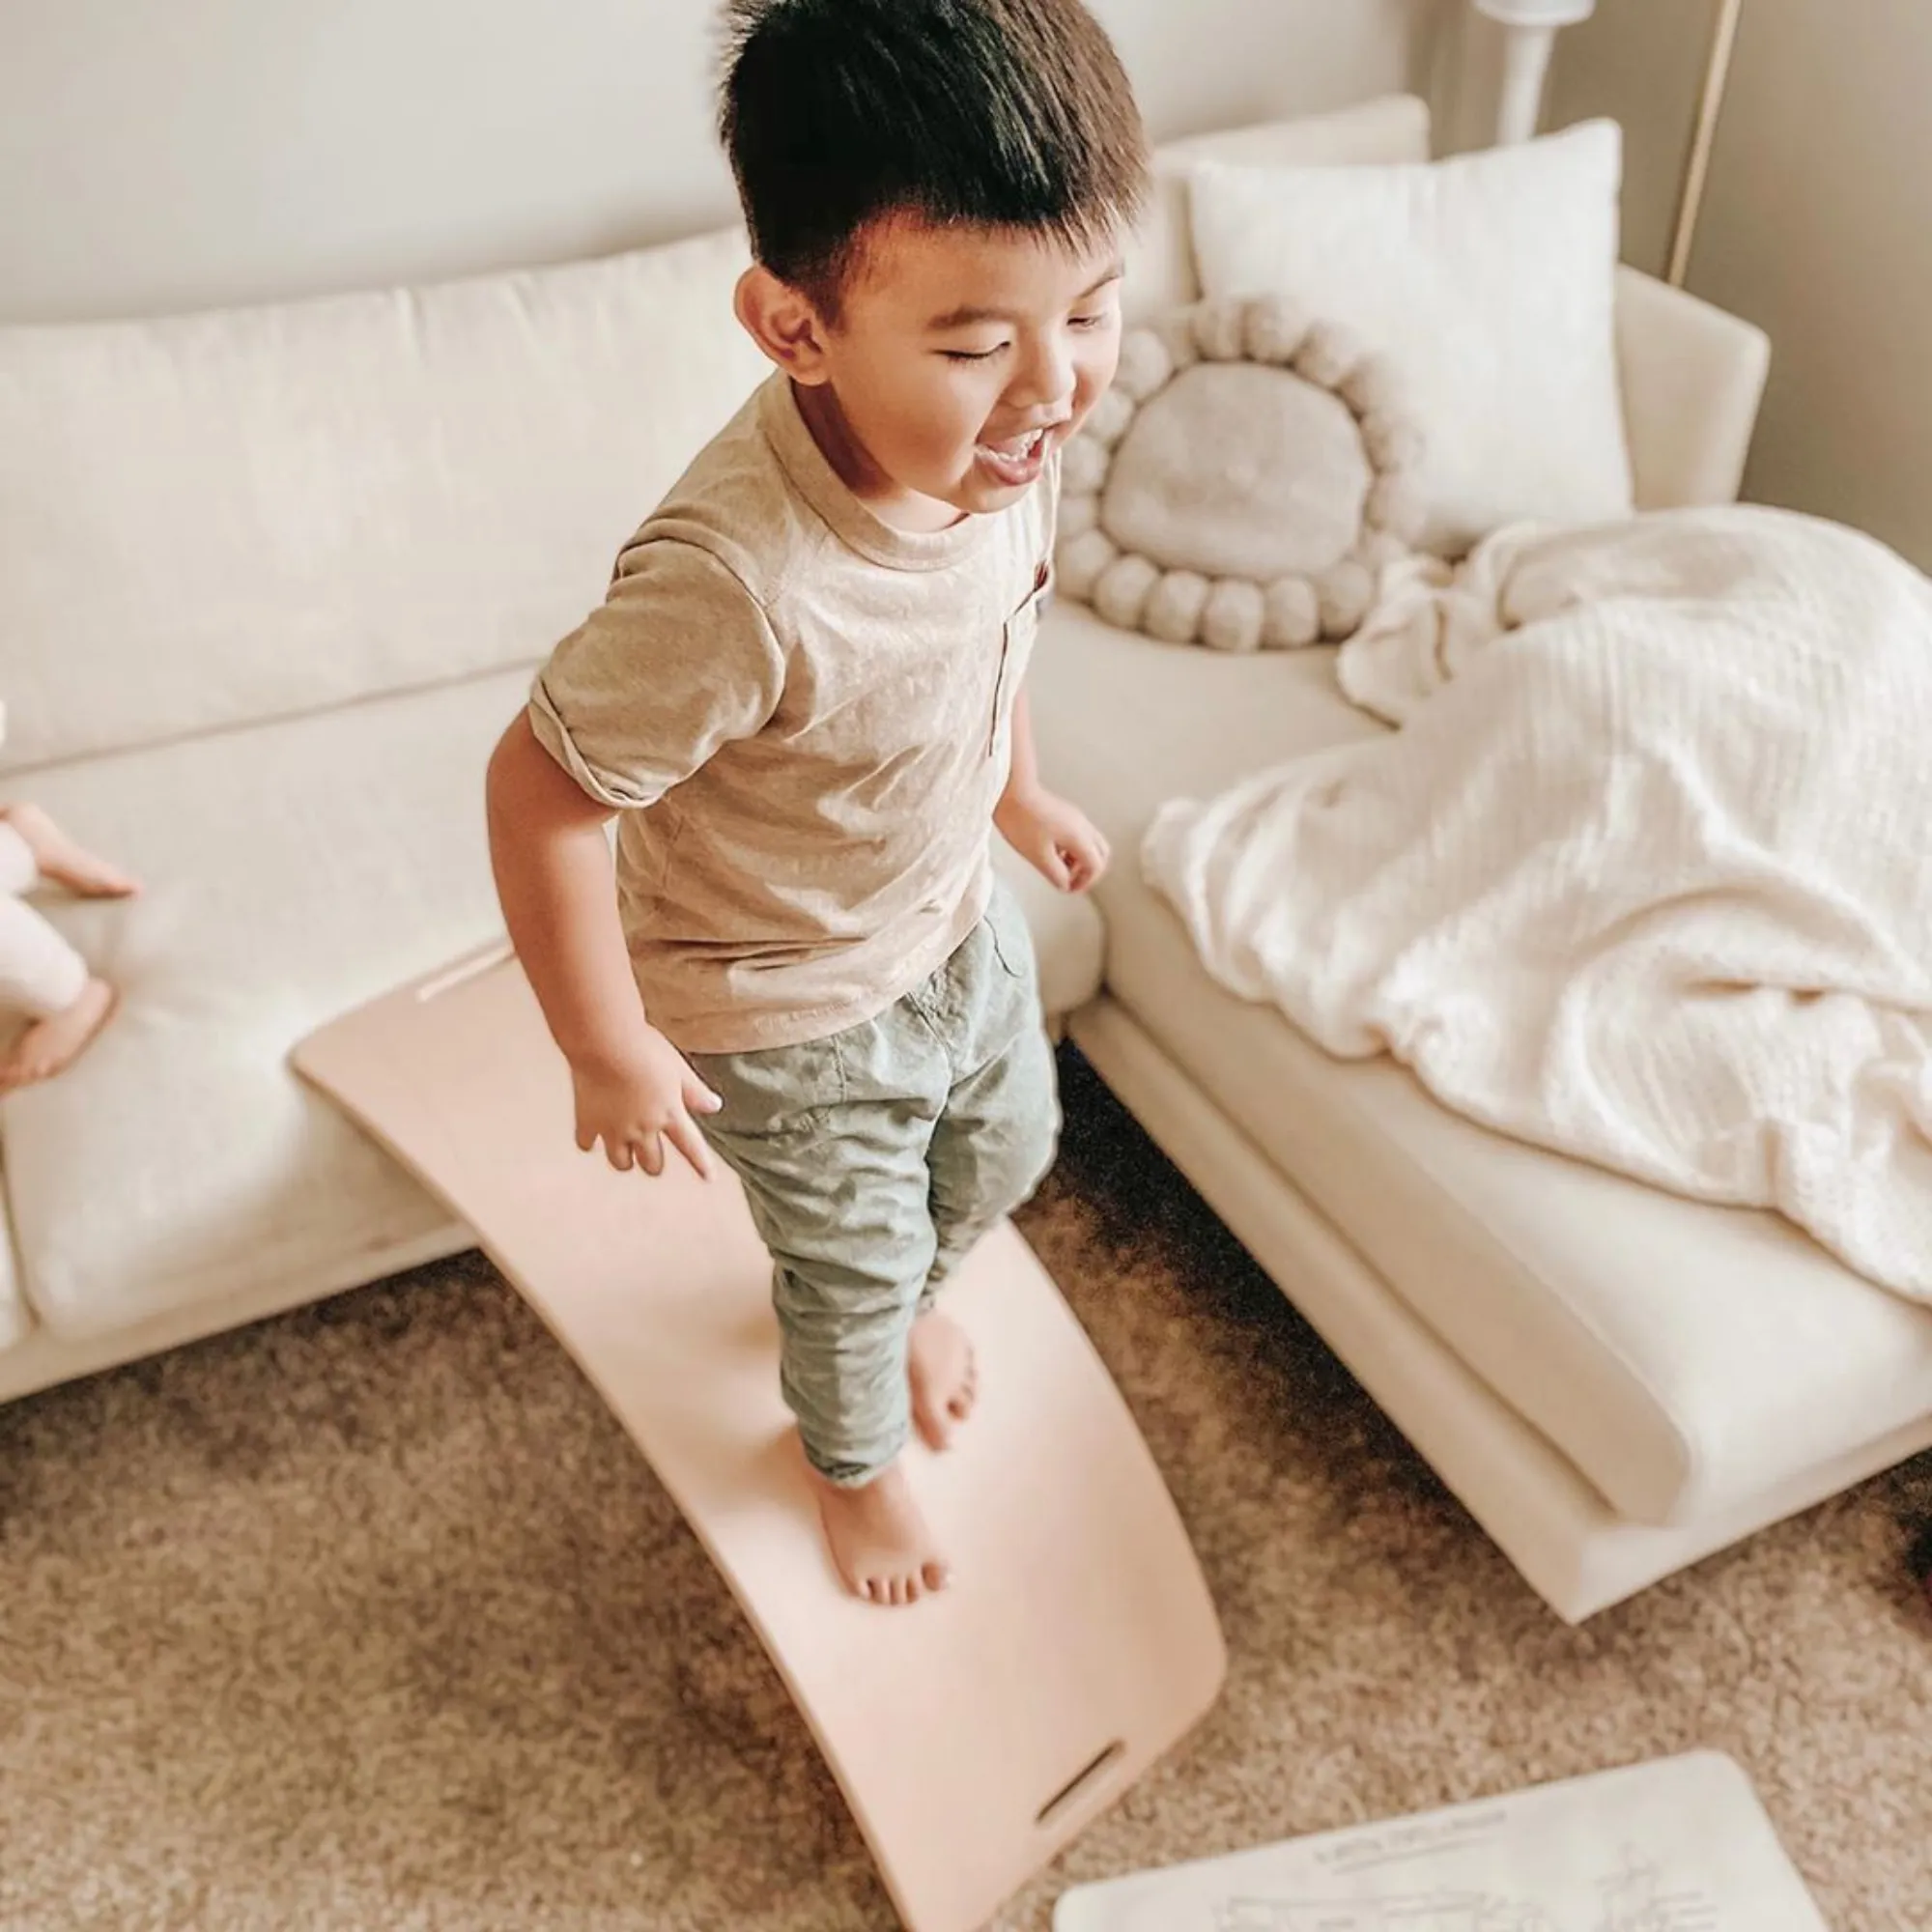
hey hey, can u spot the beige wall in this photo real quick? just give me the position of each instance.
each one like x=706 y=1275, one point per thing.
x=1817 y=225
x=156 y=156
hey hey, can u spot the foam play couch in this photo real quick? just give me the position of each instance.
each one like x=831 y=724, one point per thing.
x=272 y=580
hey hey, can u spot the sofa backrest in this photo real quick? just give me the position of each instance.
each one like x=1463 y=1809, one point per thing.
x=219 y=518
x=210 y=520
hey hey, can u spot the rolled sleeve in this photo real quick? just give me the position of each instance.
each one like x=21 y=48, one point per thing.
x=677 y=661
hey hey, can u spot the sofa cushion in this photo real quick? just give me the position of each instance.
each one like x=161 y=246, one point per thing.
x=222 y=518
x=293 y=871
x=290 y=871
x=1685 y=1357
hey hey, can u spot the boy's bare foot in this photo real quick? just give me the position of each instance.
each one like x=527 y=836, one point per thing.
x=51 y=1044
x=944 y=1377
x=879 y=1539
x=63 y=861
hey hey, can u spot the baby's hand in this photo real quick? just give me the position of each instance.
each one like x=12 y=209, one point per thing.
x=1055 y=838
x=635 y=1104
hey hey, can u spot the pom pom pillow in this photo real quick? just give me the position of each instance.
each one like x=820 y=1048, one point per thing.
x=1242 y=483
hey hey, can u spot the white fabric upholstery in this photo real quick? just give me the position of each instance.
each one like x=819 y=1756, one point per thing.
x=295 y=870
x=1685 y=1357
x=1488 y=281
x=43 y=1357
x=1692 y=379
x=247 y=514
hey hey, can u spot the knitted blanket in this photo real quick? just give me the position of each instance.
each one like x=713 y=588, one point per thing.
x=1645 y=873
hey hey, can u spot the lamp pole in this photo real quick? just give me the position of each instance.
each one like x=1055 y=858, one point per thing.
x=1697 y=166
x=1529 y=33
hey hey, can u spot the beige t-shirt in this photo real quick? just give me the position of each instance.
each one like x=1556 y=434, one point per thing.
x=802 y=717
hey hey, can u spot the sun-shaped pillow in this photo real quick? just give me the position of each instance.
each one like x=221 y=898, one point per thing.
x=1242 y=483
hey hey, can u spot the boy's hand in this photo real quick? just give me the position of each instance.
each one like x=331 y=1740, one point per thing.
x=633 y=1105
x=1055 y=838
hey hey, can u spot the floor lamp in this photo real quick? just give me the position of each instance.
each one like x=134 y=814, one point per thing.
x=1529 y=33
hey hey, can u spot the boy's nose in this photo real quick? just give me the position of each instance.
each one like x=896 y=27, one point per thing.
x=1044 y=377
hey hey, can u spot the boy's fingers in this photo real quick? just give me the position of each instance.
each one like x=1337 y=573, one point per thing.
x=690 y=1143
x=650 y=1154
x=699 y=1095
x=619 y=1154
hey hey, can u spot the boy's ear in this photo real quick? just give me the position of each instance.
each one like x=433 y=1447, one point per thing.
x=784 y=323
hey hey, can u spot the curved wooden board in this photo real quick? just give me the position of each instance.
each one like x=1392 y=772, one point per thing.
x=973 y=1735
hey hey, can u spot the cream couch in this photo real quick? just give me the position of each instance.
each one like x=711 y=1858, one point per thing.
x=270 y=582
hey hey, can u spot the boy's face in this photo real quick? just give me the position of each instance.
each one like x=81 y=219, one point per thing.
x=961 y=357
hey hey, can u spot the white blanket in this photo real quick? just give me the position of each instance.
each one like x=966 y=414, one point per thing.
x=1646 y=874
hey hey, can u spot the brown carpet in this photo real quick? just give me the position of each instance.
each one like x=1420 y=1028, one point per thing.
x=370 y=1617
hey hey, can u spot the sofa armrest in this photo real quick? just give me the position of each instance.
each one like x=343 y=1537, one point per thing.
x=1692 y=379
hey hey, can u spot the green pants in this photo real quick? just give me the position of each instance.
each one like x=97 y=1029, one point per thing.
x=873 y=1160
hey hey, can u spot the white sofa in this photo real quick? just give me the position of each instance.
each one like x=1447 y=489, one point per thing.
x=270 y=582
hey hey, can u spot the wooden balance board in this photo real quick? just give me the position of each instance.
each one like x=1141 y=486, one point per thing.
x=972 y=1734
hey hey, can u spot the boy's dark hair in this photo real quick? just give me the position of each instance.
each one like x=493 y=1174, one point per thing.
x=1001 y=113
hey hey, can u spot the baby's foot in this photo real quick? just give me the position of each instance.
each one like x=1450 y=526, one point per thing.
x=944 y=1377
x=879 y=1539
x=63 y=861
x=51 y=1044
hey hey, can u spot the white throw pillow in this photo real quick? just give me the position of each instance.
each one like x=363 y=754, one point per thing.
x=1489 y=280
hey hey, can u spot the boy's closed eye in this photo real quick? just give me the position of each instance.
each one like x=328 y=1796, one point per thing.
x=1082 y=322
x=1095 y=308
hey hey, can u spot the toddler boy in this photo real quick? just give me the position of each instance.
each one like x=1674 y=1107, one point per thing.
x=802 y=699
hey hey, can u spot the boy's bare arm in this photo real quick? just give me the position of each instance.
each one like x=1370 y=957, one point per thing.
x=1054 y=836
x=552 y=863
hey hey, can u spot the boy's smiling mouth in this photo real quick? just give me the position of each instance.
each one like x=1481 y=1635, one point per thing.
x=1016 y=461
